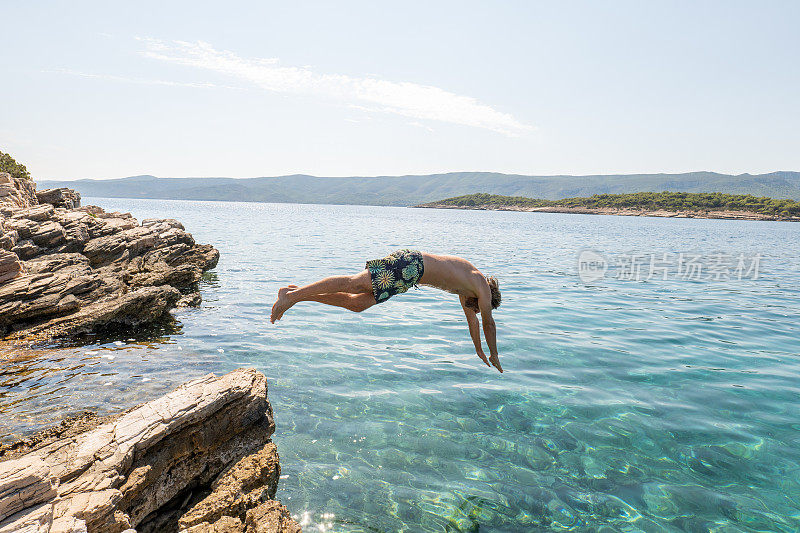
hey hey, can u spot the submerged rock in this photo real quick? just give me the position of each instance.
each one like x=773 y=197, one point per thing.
x=199 y=459
x=68 y=270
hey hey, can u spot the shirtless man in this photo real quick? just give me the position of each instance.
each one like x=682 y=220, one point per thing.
x=395 y=274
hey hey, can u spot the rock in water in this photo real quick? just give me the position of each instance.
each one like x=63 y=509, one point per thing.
x=199 y=459
x=68 y=270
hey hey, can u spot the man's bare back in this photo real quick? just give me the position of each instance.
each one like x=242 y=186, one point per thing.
x=452 y=274
x=395 y=274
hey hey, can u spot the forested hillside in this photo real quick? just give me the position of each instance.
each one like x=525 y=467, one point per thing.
x=411 y=190
x=651 y=201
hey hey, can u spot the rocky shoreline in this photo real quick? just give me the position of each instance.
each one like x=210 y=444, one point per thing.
x=726 y=215
x=67 y=270
x=199 y=460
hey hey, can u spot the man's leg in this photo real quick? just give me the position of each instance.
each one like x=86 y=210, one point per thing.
x=355 y=284
x=352 y=302
x=288 y=296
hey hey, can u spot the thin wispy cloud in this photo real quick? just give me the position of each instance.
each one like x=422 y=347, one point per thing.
x=422 y=102
x=421 y=125
x=142 y=81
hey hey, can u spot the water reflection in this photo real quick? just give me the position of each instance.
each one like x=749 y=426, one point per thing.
x=103 y=373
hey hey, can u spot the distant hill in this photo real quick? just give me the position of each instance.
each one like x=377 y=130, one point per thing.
x=412 y=190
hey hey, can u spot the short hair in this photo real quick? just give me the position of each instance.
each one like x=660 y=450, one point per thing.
x=494 y=287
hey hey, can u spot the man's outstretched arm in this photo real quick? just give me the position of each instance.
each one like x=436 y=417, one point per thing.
x=474 y=330
x=489 y=329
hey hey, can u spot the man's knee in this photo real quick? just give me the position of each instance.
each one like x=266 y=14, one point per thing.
x=358 y=307
x=360 y=303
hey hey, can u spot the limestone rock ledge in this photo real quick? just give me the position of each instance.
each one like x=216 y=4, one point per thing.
x=199 y=459
x=18 y=192
x=70 y=270
x=62 y=197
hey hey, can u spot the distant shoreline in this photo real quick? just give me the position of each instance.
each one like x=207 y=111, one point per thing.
x=631 y=212
x=418 y=189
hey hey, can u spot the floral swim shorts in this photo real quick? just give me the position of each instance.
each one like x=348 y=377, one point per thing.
x=395 y=273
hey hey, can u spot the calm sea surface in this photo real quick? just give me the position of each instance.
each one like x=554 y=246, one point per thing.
x=658 y=405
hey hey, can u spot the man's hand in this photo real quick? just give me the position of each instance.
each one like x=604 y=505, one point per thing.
x=474 y=330
x=489 y=328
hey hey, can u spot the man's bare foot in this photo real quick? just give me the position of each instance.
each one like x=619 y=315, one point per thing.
x=496 y=362
x=281 y=305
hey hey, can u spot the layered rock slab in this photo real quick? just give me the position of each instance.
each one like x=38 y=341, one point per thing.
x=61 y=197
x=198 y=459
x=17 y=192
x=71 y=271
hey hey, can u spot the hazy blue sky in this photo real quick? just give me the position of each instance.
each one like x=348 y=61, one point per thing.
x=110 y=89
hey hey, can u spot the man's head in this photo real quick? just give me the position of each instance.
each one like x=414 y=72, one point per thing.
x=494 y=287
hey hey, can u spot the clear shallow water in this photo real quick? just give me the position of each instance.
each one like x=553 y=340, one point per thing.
x=625 y=406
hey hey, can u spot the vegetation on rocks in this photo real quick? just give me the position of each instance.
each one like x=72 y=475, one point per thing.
x=17 y=170
x=651 y=201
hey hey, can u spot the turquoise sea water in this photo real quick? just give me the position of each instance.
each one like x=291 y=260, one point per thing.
x=659 y=405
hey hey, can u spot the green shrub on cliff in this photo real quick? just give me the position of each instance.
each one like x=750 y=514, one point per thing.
x=17 y=170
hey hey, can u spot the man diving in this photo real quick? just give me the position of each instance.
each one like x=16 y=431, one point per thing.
x=396 y=273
